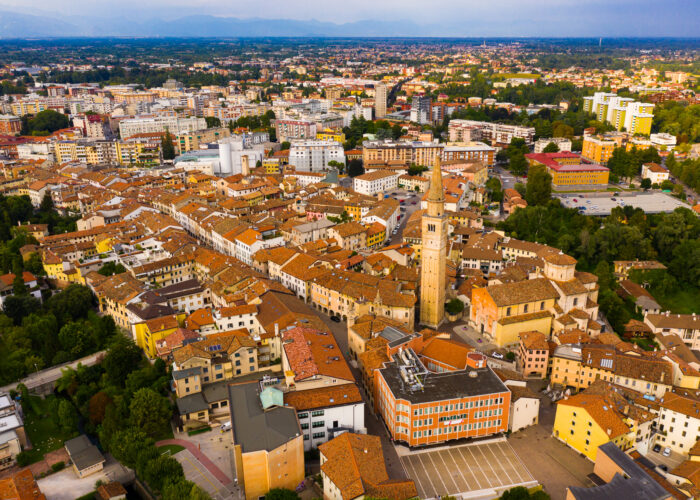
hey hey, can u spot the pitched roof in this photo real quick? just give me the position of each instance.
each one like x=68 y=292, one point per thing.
x=312 y=352
x=522 y=291
x=323 y=397
x=355 y=465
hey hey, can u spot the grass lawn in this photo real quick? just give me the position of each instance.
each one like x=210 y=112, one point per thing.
x=170 y=449
x=41 y=429
x=680 y=300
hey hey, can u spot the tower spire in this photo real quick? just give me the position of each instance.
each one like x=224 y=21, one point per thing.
x=435 y=192
x=436 y=198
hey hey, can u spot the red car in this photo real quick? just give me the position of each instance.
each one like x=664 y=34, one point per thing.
x=413 y=203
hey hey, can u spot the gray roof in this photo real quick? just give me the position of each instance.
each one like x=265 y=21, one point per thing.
x=83 y=453
x=187 y=372
x=191 y=404
x=256 y=429
x=639 y=485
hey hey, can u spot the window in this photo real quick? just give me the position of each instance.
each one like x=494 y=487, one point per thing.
x=317 y=413
x=304 y=426
x=318 y=435
x=317 y=424
x=508 y=311
x=525 y=308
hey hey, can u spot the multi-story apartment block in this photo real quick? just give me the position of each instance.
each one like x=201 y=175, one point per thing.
x=533 y=354
x=288 y=129
x=375 y=182
x=380 y=96
x=159 y=124
x=622 y=112
x=421 y=111
x=678 y=421
x=326 y=412
x=497 y=133
x=469 y=151
x=419 y=152
x=10 y=124
x=314 y=155
x=563 y=143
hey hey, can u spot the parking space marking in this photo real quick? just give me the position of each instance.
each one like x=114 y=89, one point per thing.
x=426 y=473
x=473 y=476
x=501 y=466
x=461 y=451
x=448 y=470
x=442 y=480
x=415 y=477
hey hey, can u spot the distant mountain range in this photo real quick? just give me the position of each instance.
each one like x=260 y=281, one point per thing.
x=18 y=25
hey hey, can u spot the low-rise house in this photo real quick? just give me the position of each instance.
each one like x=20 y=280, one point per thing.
x=353 y=467
x=686 y=326
x=85 y=456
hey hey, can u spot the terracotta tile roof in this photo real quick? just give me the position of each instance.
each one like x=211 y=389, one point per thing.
x=534 y=340
x=311 y=352
x=684 y=321
x=199 y=318
x=214 y=346
x=20 y=486
x=323 y=397
x=162 y=323
x=522 y=292
x=602 y=411
x=681 y=404
x=446 y=351
x=355 y=464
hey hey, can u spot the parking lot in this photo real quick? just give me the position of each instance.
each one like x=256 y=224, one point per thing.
x=480 y=470
x=601 y=204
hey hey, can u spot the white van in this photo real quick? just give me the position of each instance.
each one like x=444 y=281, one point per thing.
x=226 y=426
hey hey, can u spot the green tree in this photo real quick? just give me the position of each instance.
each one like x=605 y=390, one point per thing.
x=551 y=148
x=98 y=406
x=281 y=494
x=212 y=121
x=518 y=164
x=167 y=148
x=149 y=411
x=454 y=306
x=355 y=168
x=128 y=443
x=645 y=184
x=46 y=205
x=539 y=186
x=111 y=268
x=46 y=122
x=163 y=470
x=121 y=359
x=67 y=416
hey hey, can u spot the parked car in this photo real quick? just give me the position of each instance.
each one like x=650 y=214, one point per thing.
x=497 y=355
x=667 y=452
x=657 y=448
x=413 y=202
x=613 y=199
x=335 y=318
x=226 y=426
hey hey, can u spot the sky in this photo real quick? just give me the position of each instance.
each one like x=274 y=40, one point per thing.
x=478 y=17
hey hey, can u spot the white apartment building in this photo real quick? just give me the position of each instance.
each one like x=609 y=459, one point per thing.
x=233 y=318
x=679 y=422
x=155 y=124
x=377 y=181
x=497 y=133
x=562 y=143
x=314 y=155
x=326 y=412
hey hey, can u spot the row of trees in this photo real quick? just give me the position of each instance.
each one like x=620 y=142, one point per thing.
x=124 y=400
x=627 y=234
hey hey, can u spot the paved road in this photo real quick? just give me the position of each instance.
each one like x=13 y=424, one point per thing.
x=51 y=375
x=373 y=423
x=409 y=208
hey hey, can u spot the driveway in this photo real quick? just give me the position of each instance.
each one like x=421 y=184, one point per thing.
x=66 y=485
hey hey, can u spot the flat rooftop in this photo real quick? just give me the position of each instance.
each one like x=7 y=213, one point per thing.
x=443 y=386
x=601 y=204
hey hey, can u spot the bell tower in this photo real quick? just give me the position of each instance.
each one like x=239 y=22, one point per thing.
x=433 y=253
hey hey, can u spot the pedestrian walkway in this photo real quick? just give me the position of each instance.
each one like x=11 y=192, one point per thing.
x=192 y=448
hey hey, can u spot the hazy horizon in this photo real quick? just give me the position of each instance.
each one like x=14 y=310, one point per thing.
x=468 y=18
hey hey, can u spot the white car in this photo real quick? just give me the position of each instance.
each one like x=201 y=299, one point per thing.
x=497 y=355
x=667 y=452
x=226 y=426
